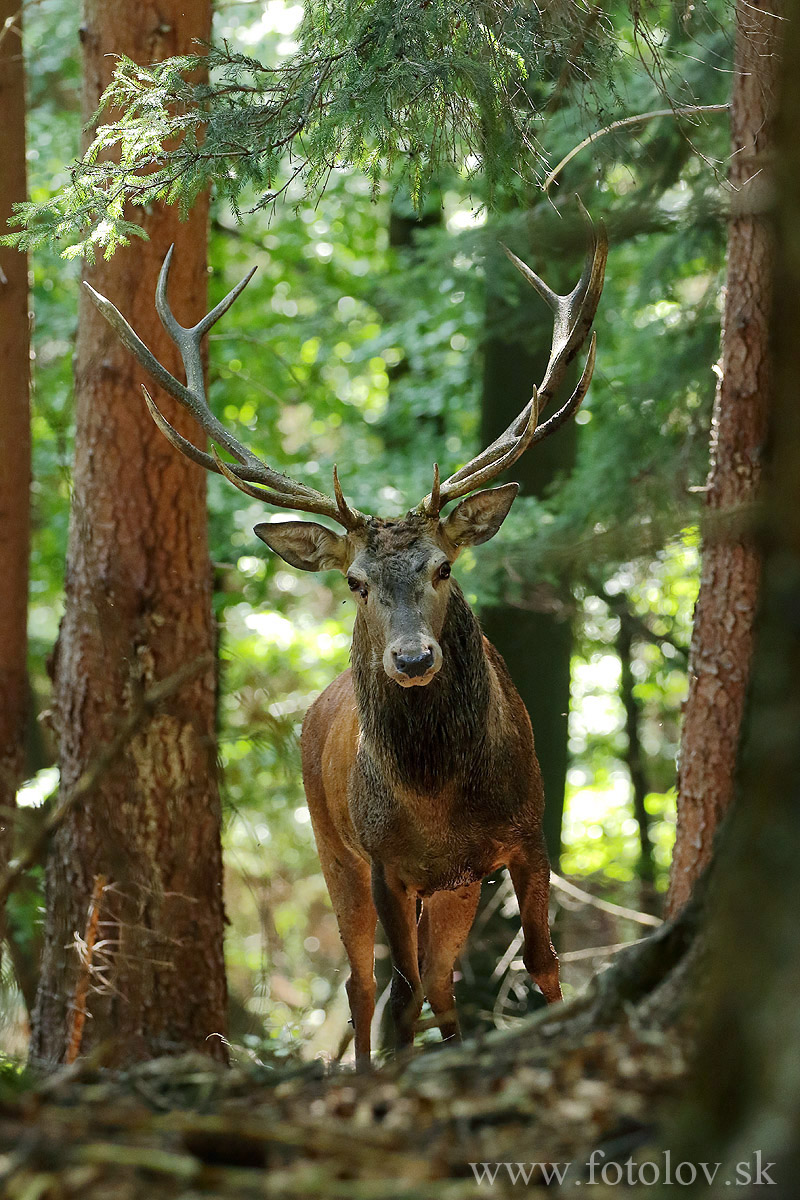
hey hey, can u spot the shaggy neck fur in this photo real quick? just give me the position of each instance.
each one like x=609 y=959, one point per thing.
x=425 y=737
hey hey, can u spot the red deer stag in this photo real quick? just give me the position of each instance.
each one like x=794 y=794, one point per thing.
x=418 y=762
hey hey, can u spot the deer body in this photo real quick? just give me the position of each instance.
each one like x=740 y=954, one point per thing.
x=419 y=792
x=418 y=762
x=446 y=789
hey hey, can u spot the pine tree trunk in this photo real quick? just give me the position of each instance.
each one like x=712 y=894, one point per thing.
x=137 y=870
x=747 y=1080
x=722 y=636
x=15 y=472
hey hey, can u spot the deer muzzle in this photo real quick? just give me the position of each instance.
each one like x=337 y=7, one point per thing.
x=412 y=666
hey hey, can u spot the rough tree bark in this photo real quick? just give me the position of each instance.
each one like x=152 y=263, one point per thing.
x=747 y=1079
x=138 y=869
x=722 y=636
x=15 y=475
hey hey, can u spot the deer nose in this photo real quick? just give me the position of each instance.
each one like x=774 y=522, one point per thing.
x=414 y=664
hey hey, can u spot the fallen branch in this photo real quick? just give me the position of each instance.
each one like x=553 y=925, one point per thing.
x=617 y=910
x=590 y=952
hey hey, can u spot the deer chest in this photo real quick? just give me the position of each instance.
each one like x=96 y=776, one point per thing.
x=435 y=841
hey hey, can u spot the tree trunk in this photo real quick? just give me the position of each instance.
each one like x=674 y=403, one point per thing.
x=722 y=637
x=135 y=918
x=536 y=645
x=747 y=1080
x=635 y=760
x=15 y=475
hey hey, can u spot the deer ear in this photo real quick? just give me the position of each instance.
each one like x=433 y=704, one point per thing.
x=479 y=517
x=305 y=544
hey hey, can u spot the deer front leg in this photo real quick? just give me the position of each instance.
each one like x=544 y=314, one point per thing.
x=348 y=880
x=529 y=869
x=445 y=922
x=397 y=909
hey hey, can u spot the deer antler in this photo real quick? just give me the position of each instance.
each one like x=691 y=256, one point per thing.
x=573 y=315
x=248 y=470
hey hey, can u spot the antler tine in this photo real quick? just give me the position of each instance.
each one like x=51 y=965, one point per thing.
x=442 y=494
x=573 y=317
x=234 y=472
x=186 y=447
x=311 y=501
x=435 y=498
x=351 y=518
x=575 y=312
x=188 y=341
x=276 y=488
x=576 y=399
x=192 y=397
x=176 y=439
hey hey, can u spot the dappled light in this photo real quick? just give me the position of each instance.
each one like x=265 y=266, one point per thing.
x=188 y=930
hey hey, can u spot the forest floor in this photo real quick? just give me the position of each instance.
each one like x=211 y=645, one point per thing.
x=551 y=1105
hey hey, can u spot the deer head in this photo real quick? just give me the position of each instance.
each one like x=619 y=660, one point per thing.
x=398 y=570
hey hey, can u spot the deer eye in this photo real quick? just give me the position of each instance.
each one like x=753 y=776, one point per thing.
x=444 y=571
x=357 y=585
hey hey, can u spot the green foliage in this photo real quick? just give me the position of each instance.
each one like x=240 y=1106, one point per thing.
x=53 y=132
x=401 y=90
x=600 y=833
x=425 y=84
x=15 y=1079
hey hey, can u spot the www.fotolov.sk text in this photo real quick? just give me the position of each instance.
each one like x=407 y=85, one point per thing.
x=595 y=1170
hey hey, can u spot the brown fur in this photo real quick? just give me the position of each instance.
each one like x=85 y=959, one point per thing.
x=422 y=791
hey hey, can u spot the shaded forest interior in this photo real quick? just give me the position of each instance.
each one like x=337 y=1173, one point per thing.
x=172 y=1010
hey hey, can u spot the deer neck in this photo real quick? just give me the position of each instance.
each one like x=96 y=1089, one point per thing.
x=426 y=736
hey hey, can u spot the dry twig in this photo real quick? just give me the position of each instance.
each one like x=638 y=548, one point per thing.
x=79 y=1010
